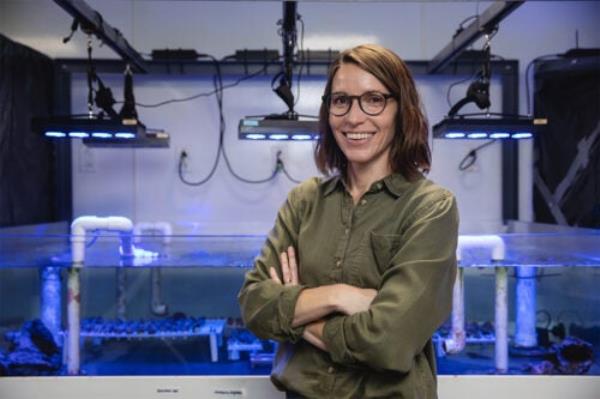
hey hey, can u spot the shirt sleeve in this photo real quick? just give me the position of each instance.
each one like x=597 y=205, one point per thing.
x=268 y=307
x=414 y=298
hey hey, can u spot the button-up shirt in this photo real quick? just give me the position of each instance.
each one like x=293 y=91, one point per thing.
x=400 y=239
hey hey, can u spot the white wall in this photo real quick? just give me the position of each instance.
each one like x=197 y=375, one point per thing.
x=143 y=183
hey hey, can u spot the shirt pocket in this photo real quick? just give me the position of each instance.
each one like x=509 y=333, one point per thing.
x=383 y=247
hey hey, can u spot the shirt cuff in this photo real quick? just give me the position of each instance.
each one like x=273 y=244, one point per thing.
x=286 y=308
x=335 y=340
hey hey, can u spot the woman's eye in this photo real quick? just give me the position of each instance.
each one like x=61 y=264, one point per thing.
x=339 y=100
x=374 y=99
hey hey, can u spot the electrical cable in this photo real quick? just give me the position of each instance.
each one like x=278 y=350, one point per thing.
x=206 y=94
x=183 y=154
x=462 y=23
x=471 y=156
x=218 y=83
x=286 y=173
x=218 y=91
x=182 y=158
x=452 y=85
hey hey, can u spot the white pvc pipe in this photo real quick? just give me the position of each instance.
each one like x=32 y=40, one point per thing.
x=501 y=320
x=73 y=320
x=157 y=306
x=525 y=333
x=82 y=224
x=79 y=227
x=497 y=249
x=51 y=314
x=493 y=243
x=214 y=351
x=456 y=342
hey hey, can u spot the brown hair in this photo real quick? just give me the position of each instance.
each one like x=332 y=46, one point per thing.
x=410 y=154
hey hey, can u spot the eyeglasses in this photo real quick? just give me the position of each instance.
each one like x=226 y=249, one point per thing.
x=371 y=103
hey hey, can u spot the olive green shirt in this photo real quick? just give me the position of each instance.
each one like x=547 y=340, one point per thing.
x=400 y=239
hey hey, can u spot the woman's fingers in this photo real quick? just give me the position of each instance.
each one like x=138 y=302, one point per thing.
x=274 y=276
x=293 y=265
x=285 y=268
x=289 y=268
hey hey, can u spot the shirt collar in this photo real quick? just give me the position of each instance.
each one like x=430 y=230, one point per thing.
x=394 y=183
x=329 y=184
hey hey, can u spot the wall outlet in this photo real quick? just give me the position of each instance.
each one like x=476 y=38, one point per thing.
x=278 y=150
x=183 y=156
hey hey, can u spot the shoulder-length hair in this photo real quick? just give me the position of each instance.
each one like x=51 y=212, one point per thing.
x=410 y=154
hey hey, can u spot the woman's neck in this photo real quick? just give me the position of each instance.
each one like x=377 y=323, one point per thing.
x=361 y=177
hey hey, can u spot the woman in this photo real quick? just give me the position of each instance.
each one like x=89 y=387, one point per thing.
x=358 y=270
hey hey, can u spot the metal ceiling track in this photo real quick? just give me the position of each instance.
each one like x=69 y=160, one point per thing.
x=486 y=22
x=91 y=20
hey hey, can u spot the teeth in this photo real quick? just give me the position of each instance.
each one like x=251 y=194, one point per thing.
x=358 y=136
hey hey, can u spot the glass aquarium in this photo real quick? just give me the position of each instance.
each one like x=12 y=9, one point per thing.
x=526 y=302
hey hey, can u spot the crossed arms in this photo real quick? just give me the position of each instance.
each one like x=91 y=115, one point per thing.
x=313 y=304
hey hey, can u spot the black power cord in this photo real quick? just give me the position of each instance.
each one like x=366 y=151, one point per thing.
x=209 y=93
x=471 y=156
x=218 y=92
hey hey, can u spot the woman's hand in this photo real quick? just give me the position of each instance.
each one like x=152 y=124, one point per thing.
x=289 y=269
x=313 y=334
x=352 y=299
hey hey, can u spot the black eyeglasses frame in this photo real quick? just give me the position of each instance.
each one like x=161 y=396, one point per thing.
x=327 y=97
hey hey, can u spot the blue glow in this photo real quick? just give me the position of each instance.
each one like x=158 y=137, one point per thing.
x=499 y=135
x=102 y=135
x=124 y=135
x=249 y=122
x=278 y=136
x=522 y=135
x=255 y=136
x=477 y=135
x=55 y=134
x=78 y=135
x=316 y=136
x=455 y=135
x=301 y=137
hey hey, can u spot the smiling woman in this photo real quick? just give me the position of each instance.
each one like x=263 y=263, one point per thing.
x=357 y=272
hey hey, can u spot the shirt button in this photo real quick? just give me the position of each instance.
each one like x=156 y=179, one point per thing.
x=330 y=370
x=338 y=263
x=364 y=201
x=347 y=230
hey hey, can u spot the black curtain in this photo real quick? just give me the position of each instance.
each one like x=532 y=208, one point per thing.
x=27 y=171
x=569 y=96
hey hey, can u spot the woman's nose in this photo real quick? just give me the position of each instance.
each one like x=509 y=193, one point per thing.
x=355 y=114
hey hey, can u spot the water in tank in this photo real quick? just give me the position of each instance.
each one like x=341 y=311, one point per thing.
x=170 y=308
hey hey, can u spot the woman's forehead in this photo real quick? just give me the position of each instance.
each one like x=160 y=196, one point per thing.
x=352 y=79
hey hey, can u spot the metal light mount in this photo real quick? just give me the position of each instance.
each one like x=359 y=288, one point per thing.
x=479 y=90
x=128 y=112
x=287 y=125
x=106 y=128
x=288 y=34
x=486 y=125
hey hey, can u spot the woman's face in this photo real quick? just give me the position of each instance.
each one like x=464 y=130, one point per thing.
x=365 y=140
